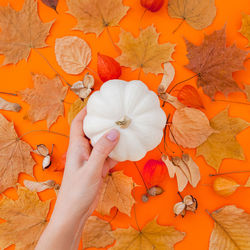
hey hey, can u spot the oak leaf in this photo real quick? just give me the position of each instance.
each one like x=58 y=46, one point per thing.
x=197 y=13
x=116 y=192
x=231 y=229
x=93 y=16
x=21 y=31
x=96 y=233
x=245 y=27
x=15 y=155
x=25 y=220
x=75 y=108
x=190 y=127
x=73 y=54
x=45 y=99
x=152 y=236
x=223 y=144
x=5 y=105
x=214 y=63
x=144 y=51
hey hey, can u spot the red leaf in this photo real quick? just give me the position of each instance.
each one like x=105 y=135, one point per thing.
x=189 y=96
x=107 y=68
x=152 y=5
x=154 y=172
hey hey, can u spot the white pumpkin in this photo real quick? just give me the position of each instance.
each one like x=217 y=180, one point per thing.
x=131 y=108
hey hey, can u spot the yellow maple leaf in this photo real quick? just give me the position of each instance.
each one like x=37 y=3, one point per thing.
x=45 y=99
x=223 y=144
x=197 y=13
x=25 y=220
x=116 y=192
x=144 y=51
x=14 y=155
x=21 y=31
x=231 y=229
x=245 y=27
x=152 y=236
x=93 y=16
x=96 y=233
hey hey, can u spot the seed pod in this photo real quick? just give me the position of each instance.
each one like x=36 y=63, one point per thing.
x=46 y=162
x=152 y=5
x=225 y=186
x=155 y=190
x=180 y=209
x=191 y=203
x=144 y=198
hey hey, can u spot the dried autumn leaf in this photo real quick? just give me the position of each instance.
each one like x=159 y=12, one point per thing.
x=225 y=186
x=14 y=155
x=151 y=236
x=45 y=99
x=197 y=13
x=5 y=105
x=171 y=100
x=21 y=31
x=51 y=3
x=214 y=63
x=190 y=127
x=96 y=233
x=245 y=27
x=144 y=51
x=231 y=229
x=93 y=16
x=73 y=54
x=25 y=220
x=168 y=77
x=75 y=108
x=223 y=144
x=116 y=192
x=39 y=186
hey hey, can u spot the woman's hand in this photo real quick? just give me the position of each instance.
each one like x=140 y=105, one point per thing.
x=82 y=179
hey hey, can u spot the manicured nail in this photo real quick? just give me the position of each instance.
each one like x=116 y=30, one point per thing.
x=112 y=135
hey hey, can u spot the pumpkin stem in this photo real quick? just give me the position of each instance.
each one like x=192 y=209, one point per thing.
x=123 y=122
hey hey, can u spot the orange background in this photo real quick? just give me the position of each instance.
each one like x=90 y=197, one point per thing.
x=198 y=227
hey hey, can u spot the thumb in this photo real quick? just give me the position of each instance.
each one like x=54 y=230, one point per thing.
x=102 y=149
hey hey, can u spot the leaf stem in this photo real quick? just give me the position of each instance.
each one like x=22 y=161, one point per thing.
x=136 y=221
x=112 y=41
x=180 y=195
x=179 y=25
x=46 y=60
x=8 y=93
x=175 y=140
x=233 y=172
x=141 y=176
x=48 y=131
x=143 y=14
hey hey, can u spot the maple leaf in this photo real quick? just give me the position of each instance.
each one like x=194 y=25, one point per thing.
x=14 y=155
x=116 y=192
x=245 y=27
x=197 y=13
x=223 y=144
x=231 y=229
x=214 y=63
x=93 y=16
x=152 y=236
x=96 y=233
x=21 y=31
x=25 y=220
x=144 y=51
x=45 y=99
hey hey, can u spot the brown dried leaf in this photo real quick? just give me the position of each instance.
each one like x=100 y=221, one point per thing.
x=197 y=13
x=215 y=63
x=39 y=186
x=5 y=105
x=190 y=127
x=45 y=99
x=75 y=108
x=14 y=155
x=231 y=229
x=144 y=51
x=116 y=192
x=73 y=54
x=25 y=220
x=21 y=31
x=245 y=27
x=168 y=77
x=93 y=16
x=152 y=236
x=96 y=233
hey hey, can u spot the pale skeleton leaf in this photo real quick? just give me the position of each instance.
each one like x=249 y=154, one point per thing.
x=93 y=16
x=25 y=220
x=10 y=106
x=231 y=229
x=21 y=31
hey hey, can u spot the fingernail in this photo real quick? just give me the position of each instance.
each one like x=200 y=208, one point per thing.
x=112 y=135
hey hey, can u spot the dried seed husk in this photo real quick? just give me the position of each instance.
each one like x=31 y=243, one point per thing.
x=144 y=198
x=155 y=190
x=225 y=186
x=191 y=203
x=39 y=186
x=46 y=162
x=180 y=209
x=41 y=149
x=10 y=106
x=168 y=76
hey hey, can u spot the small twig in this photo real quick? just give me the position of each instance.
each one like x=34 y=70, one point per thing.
x=8 y=93
x=179 y=25
x=233 y=172
x=180 y=195
x=159 y=150
x=111 y=40
x=141 y=176
x=136 y=221
x=175 y=140
x=48 y=131
x=144 y=12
